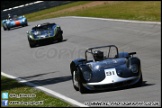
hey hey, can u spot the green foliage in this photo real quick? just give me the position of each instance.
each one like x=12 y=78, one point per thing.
x=131 y=10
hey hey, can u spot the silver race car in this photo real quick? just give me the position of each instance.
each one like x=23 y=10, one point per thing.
x=105 y=68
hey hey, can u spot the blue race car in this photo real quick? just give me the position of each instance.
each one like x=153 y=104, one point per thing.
x=49 y=32
x=105 y=69
x=14 y=21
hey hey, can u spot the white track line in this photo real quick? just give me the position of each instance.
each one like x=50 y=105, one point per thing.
x=119 y=20
x=58 y=95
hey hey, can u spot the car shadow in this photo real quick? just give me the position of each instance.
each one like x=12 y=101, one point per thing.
x=50 y=80
x=16 y=28
x=45 y=43
x=8 y=84
x=37 y=75
x=118 y=89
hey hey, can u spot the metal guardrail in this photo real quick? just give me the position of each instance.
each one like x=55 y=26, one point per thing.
x=22 y=6
x=31 y=7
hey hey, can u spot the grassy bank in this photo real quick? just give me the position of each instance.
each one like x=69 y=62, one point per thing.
x=131 y=10
x=39 y=99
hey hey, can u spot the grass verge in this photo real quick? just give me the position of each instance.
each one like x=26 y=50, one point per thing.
x=37 y=99
x=130 y=10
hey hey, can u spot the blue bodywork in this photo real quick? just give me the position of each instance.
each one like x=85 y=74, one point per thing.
x=121 y=70
x=14 y=22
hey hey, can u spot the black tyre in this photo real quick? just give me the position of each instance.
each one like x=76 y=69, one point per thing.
x=139 y=83
x=31 y=43
x=4 y=28
x=60 y=38
x=74 y=81
x=26 y=24
x=8 y=28
x=82 y=89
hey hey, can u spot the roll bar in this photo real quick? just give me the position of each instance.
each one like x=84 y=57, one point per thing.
x=89 y=50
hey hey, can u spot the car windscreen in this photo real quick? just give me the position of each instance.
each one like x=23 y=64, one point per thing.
x=42 y=28
x=15 y=17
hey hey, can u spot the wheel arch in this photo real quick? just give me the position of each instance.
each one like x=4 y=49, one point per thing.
x=75 y=63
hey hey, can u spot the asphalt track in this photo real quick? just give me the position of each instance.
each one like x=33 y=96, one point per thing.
x=48 y=65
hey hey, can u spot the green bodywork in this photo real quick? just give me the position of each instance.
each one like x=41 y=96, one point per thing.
x=31 y=36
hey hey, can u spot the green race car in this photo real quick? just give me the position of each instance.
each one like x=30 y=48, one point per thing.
x=49 y=32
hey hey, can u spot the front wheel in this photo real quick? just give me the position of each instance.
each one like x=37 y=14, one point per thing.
x=75 y=82
x=82 y=89
x=8 y=28
x=139 y=83
x=4 y=28
x=78 y=86
x=26 y=24
x=31 y=43
x=60 y=38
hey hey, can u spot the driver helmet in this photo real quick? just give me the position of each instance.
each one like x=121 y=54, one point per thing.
x=98 y=55
x=9 y=16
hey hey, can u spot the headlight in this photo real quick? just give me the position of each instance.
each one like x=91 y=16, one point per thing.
x=134 y=68
x=31 y=36
x=23 y=20
x=58 y=28
x=87 y=75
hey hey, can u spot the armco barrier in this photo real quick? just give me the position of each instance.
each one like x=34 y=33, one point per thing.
x=31 y=7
